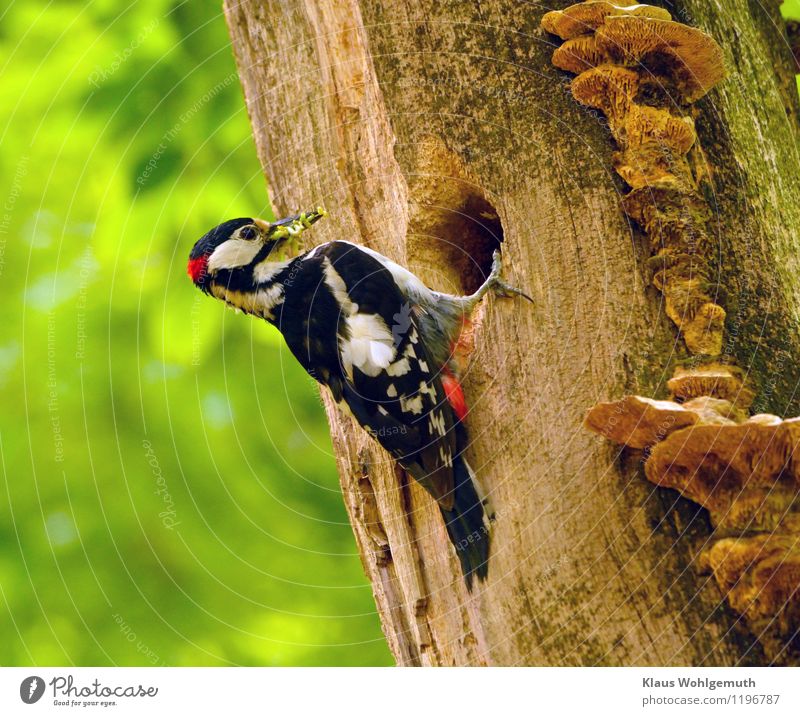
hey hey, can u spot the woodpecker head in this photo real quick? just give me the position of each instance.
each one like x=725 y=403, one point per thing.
x=239 y=257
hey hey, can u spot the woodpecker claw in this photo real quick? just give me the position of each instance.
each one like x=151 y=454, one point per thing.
x=500 y=287
x=504 y=290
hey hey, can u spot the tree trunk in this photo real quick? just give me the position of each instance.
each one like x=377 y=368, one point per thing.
x=431 y=131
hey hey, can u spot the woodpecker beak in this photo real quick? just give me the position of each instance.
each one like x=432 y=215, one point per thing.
x=262 y=225
x=286 y=232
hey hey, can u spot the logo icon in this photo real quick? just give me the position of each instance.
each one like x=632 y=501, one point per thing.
x=31 y=689
x=402 y=322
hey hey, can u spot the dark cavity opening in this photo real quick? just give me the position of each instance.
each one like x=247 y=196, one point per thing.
x=460 y=241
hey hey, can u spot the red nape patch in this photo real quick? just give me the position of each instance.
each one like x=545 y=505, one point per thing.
x=197 y=268
x=455 y=396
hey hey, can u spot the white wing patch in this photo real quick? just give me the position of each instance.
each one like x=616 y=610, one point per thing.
x=411 y=405
x=436 y=422
x=233 y=253
x=426 y=389
x=398 y=368
x=445 y=457
x=486 y=501
x=370 y=346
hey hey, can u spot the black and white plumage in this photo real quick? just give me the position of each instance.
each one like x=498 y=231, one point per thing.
x=377 y=337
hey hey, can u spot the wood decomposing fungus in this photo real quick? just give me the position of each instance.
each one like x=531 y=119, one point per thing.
x=744 y=471
x=643 y=70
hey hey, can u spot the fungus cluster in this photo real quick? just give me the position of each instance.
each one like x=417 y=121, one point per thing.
x=744 y=471
x=643 y=71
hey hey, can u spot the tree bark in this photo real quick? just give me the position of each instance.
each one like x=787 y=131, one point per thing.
x=433 y=130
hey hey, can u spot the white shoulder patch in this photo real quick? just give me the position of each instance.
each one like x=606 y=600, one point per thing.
x=338 y=287
x=370 y=347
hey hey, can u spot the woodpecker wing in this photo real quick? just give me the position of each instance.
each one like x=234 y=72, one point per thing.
x=390 y=383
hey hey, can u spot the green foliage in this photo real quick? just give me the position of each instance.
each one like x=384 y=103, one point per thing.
x=169 y=494
x=791 y=9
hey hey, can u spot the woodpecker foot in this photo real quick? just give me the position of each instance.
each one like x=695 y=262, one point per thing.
x=500 y=287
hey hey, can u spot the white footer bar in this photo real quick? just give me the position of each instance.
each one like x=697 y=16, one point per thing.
x=398 y=692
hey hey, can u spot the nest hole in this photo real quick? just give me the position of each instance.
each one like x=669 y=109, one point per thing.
x=459 y=242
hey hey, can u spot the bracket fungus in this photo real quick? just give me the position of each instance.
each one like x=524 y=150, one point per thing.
x=760 y=575
x=643 y=70
x=744 y=471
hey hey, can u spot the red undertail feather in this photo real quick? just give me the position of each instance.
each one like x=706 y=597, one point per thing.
x=454 y=393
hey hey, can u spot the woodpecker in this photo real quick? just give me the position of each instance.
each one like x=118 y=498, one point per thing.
x=378 y=338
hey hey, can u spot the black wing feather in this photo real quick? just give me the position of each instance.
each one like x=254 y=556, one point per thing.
x=423 y=441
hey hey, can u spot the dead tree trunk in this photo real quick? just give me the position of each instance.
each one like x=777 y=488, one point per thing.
x=434 y=131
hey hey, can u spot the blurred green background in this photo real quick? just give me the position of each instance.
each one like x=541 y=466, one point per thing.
x=791 y=11
x=169 y=494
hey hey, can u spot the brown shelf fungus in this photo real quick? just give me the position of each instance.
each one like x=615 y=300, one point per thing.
x=714 y=379
x=643 y=71
x=761 y=575
x=588 y=16
x=744 y=471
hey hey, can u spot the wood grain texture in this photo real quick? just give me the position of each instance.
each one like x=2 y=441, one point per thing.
x=407 y=119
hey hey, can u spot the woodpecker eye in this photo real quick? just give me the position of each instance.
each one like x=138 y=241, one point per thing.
x=248 y=232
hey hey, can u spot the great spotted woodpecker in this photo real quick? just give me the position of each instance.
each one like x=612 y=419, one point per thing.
x=378 y=338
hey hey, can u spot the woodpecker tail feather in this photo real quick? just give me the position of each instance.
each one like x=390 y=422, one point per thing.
x=467 y=524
